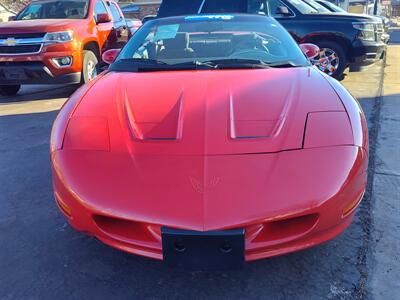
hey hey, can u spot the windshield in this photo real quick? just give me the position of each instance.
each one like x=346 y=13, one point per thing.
x=210 y=42
x=303 y=7
x=317 y=6
x=64 y=9
x=333 y=7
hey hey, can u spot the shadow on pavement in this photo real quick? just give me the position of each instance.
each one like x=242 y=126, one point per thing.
x=32 y=93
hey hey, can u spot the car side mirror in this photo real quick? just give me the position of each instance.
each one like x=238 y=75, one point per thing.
x=310 y=50
x=283 y=11
x=103 y=18
x=110 y=55
x=12 y=18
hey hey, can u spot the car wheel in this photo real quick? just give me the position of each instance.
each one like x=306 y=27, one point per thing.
x=331 y=59
x=89 y=66
x=9 y=90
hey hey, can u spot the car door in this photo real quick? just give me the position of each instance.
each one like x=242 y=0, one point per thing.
x=121 y=29
x=105 y=28
x=270 y=8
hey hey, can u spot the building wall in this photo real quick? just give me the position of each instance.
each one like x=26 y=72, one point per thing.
x=146 y=8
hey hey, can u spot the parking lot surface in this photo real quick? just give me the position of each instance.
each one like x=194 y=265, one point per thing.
x=41 y=257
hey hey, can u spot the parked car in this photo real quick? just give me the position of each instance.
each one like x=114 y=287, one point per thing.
x=133 y=24
x=316 y=5
x=382 y=22
x=219 y=143
x=331 y=6
x=344 y=39
x=58 y=41
x=130 y=8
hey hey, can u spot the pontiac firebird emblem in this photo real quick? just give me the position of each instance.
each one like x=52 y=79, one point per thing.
x=199 y=187
x=10 y=42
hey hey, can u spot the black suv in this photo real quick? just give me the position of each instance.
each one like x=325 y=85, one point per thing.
x=383 y=22
x=344 y=39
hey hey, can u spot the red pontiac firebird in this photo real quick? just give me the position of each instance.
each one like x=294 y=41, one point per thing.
x=210 y=140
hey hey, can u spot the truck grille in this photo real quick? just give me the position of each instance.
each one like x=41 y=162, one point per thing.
x=378 y=31
x=22 y=35
x=21 y=43
x=20 y=49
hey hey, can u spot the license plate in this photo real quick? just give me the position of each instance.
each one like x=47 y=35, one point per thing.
x=210 y=250
x=14 y=74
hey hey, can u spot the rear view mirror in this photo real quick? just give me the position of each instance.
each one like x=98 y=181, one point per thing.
x=283 y=11
x=103 y=18
x=110 y=55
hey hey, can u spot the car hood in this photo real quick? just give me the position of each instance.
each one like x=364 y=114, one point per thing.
x=189 y=148
x=344 y=16
x=208 y=112
x=40 y=25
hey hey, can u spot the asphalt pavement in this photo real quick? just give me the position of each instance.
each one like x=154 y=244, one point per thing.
x=41 y=257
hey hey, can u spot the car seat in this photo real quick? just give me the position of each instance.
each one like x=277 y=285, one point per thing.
x=176 y=48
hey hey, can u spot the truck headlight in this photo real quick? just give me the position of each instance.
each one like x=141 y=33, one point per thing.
x=366 y=31
x=58 y=37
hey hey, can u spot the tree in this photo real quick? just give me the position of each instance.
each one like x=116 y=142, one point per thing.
x=14 y=5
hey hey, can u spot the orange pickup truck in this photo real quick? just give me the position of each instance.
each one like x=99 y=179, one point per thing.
x=59 y=41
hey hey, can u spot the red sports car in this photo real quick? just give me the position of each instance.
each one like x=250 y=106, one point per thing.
x=210 y=140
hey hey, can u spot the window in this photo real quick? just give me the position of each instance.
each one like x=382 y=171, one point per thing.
x=273 y=7
x=303 y=7
x=257 y=7
x=62 y=9
x=116 y=15
x=317 y=6
x=206 y=38
x=31 y=12
x=99 y=8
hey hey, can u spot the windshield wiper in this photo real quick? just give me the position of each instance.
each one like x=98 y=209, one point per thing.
x=284 y=64
x=231 y=64
x=153 y=65
x=239 y=63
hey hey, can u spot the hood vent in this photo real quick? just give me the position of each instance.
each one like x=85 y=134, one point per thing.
x=166 y=126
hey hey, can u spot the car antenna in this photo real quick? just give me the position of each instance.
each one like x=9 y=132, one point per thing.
x=201 y=7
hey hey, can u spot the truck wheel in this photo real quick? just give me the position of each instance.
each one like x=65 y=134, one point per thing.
x=332 y=58
x=9 y=90
x=89 y=66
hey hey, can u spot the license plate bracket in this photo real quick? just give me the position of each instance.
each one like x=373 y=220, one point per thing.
x=210 y=250
x=14 y=74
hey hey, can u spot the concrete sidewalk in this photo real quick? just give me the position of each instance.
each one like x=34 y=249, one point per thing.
x=383 y=260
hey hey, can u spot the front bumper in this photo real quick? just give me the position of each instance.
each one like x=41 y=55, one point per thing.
x=309 y=216
x=33 y=73
x=39 y=68
x=366 y=53
x=385 y=37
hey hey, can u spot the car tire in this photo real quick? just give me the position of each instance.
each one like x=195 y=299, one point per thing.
x=90 y=66
x=332 y=59
x=9 y=90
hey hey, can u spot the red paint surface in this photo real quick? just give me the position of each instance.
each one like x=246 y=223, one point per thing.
x=274 y=151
